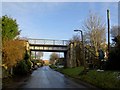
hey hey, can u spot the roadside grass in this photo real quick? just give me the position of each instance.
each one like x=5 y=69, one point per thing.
x=73 y=72
x=105 y=79
x=52 y=66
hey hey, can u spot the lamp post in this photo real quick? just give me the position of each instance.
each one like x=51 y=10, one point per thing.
x=82 y=47
x=81 y=35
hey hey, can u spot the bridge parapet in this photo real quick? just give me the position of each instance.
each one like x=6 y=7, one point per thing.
x=48 y=42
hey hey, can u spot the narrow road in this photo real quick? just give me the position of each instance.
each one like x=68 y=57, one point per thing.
x=45 y=77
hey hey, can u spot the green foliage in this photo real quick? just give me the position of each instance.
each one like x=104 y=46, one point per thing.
x=29 y=64
x=53 y=66
x=26 y=57
x=27 y=61
x=35 y=62
x=114 y=62
x=105 y=79
x=114 y=59
x=21 y=68
x=9 y=28
x=24 y=66
x=74 y=72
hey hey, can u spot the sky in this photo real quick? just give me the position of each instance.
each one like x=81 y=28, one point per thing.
x=56 y=20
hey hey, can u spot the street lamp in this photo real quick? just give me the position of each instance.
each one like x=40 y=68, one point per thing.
x=82 y=47
x=81 y=35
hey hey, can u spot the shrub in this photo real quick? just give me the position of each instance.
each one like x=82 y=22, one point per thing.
x=27 y=60
x=12 y=52
x=53 y=66
x=114 y=62
x=26 y=57
x=21 y=68
x=29 y=64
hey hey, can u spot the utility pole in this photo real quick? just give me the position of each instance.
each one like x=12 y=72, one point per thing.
x=108 y=19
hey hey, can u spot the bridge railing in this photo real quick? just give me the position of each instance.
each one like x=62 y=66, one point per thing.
x=47 y=42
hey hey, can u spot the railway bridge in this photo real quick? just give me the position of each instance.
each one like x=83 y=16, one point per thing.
x=48 y=45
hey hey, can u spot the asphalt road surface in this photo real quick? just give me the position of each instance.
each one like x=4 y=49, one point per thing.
x=45 y=77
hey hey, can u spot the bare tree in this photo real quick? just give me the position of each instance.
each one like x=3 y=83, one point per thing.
x=75 y=38
x=94 y=31
x=53 y=57
x=115 y=31
x=39 y=55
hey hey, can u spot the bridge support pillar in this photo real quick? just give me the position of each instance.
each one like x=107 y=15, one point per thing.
x=65 y=59
x=30 y=55
x=70 y=57
x=35 y=55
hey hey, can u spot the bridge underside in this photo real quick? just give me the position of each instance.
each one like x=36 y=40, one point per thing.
x=43 y=45
x=48 y=48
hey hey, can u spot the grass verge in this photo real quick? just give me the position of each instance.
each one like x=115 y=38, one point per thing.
x=104 y=80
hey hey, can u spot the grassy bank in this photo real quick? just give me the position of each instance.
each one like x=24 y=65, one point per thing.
x=104 y=79
x=53 y=67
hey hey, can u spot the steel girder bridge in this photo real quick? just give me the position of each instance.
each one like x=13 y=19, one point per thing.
x=47 y=45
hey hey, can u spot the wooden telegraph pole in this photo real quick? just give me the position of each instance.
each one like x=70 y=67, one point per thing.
x=108 y=19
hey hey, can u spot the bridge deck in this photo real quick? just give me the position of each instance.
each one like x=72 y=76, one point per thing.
x=48 y=42
x=48 y=45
